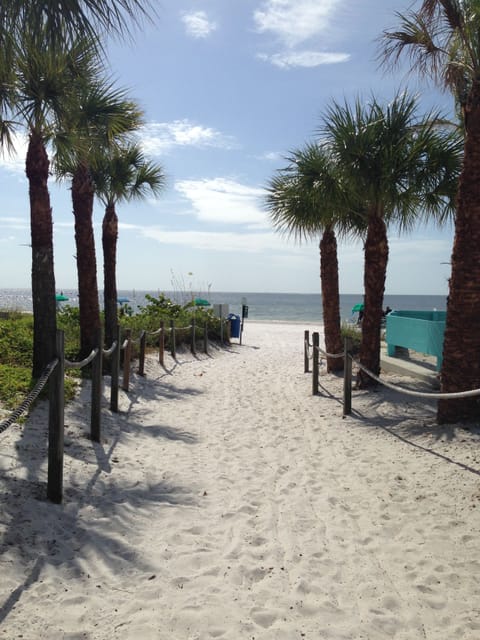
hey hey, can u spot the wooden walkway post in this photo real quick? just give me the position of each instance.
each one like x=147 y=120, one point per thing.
x=173 y=349
x=161 y=343
x=306 y=343
x=56 y=424
x=96 y=403
x=205 y=337
x=126 y=360
x=315 y=347
x=192 y=341
x=115 y=373
x=141 y=357
x=347 y=378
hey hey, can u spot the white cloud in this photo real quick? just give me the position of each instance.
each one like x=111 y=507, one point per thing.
x=12 y=222
x=295 y=21
x=198 y=25
x=221 y=241
x=160 y=137
x=290 y=59
x=224 y=200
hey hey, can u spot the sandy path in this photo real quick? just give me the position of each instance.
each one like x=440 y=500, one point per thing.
x=227 y=502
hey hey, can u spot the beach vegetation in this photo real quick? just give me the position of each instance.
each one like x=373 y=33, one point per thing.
x=441 y=42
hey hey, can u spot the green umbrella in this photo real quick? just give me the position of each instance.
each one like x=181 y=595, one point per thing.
x=200 y=302
x=358 y=307
x=60 y=297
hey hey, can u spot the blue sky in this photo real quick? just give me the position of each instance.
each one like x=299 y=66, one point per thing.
x=228 y=87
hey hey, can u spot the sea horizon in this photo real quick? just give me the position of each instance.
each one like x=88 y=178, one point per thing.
x=264 y=307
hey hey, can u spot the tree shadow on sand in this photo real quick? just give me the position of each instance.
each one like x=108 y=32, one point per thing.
x=36 y=533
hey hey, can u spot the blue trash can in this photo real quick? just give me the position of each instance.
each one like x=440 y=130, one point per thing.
x=234 y=325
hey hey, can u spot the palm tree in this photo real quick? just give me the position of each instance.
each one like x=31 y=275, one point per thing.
x=441 y=40
x=32 y=95
x=397 y=166
x=121 y=175
x=98 y=114
x=304 y=200
x=65 y=20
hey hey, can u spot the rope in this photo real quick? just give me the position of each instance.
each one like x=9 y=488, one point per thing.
x=153 y=333
x=418 y=394
x=108 y=352
x=82 y=363
x=307 y=347
x=31 y=397
x=330 y=355
x=124 y=345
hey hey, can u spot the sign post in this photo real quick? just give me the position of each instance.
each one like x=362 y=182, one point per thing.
x=244 y=315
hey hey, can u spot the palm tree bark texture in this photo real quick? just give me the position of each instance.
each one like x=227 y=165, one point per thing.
x=43 y=277
x=89 y=307
x=330 y=298
x=461 y=363
x=109 y=243
x=376 y=257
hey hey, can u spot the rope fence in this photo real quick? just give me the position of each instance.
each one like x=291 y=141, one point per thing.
x=348 y=375
x=54 y=374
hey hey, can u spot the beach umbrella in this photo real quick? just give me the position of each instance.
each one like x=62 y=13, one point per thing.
x=59 y=297
x=123 y=300
x=200 y=302
x=358 y=307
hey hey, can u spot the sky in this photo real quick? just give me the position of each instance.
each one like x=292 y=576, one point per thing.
x=228 y=89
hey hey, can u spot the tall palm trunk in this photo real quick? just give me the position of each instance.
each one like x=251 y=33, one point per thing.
x=43 y=277
x=109 y=242
x=376 y=258
x=461 y=349
x=330 y=298
x=82 y=200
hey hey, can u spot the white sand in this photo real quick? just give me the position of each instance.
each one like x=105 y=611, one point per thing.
x=226 y=501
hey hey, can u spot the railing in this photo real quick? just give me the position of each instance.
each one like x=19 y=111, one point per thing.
x=349 y=360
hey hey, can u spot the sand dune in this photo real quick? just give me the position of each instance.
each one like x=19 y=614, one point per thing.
x=225 y=501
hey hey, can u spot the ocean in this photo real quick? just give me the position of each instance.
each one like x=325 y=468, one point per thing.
x=264 y=307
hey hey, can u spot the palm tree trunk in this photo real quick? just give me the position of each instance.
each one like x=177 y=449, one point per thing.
x=82 y=200
x=376 y=259
x=461 y=349
x=43 y=277
x=109 y=242
x=330 y=298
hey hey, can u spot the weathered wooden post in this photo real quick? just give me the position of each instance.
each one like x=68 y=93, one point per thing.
x=205 y=337
x=56 y=423
x=306 y=343
x=161 y=343
x=96 y=403
x=173 y=349
x=227 y=331
x=347 y=378
x=192 y=341
x=126 y=360
x=141 y=357
x=221 y=331
x=115 y=371
x=315 y=347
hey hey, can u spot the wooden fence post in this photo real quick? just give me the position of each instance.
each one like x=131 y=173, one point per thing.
x=56 y=423
x=96 y=406
x=115 y=373
x=347 y=378
x=205 y=337
x=161 y=343
x=315 y=346
x=306 y=343
x=227 y=331
x=141 y=357
x=126 y=360
x=173 y=349
x=192 y=344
